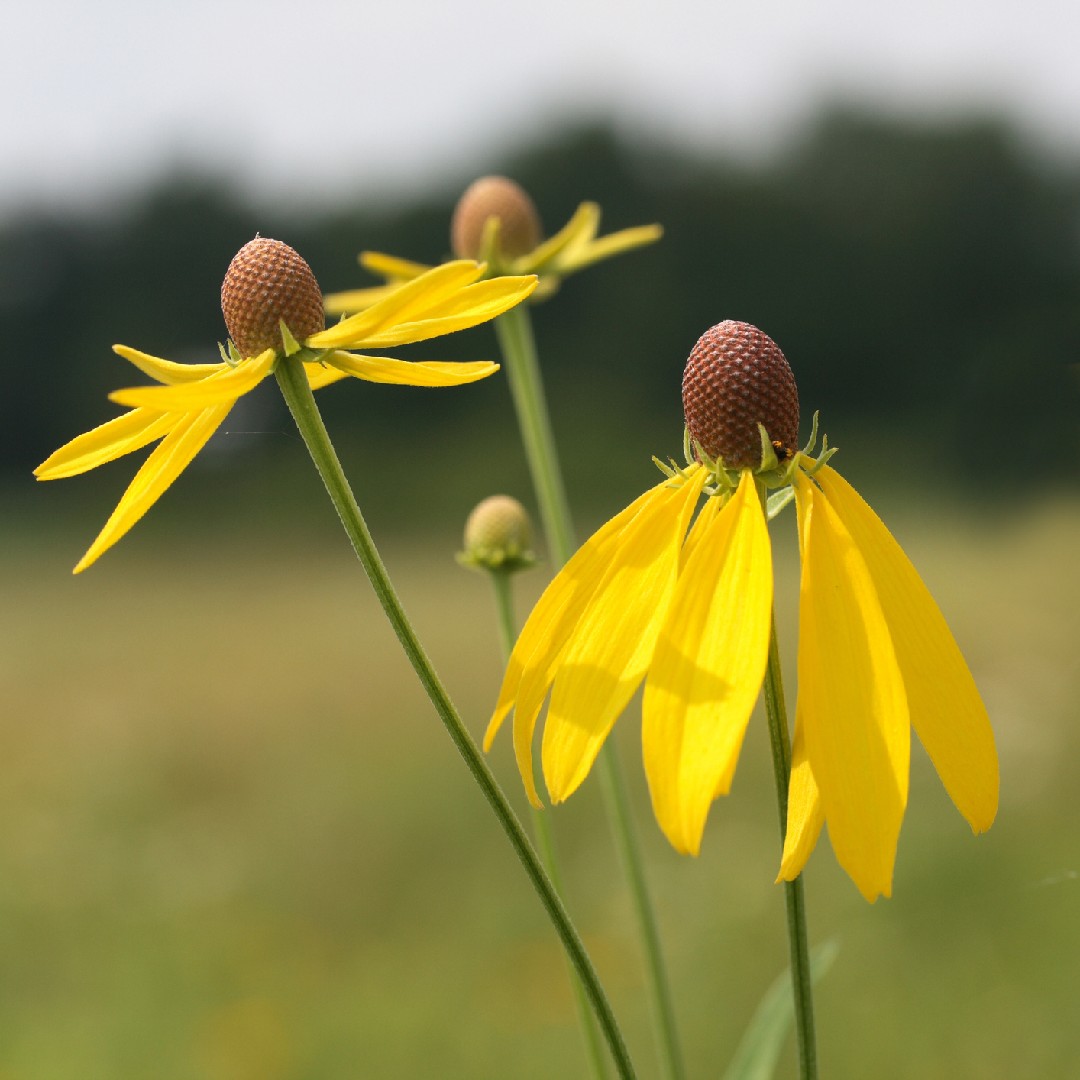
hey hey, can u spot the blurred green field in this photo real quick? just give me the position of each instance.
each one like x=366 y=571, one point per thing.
x=236 y=844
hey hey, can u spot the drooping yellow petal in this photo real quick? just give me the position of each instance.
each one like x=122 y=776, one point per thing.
x=106 y=442
x=161 y=468
x=473 y=305
x=851 y=698
x=610 y=648
x=384 y=369
x=534 y=659
x=607 y=246
x=579 y=230
x=166 y=371
x=946 y=710
x=707 y=669
x=391 y=267
x=225 y=385
x=414 y=300
x=700 y=527
x=805 y=814
x=558 y=609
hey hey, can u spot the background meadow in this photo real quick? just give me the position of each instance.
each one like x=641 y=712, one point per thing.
x=235 y=843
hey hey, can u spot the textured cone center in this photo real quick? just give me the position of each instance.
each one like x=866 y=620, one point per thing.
x=736 y=378
x=267 y=282
x=495 y=197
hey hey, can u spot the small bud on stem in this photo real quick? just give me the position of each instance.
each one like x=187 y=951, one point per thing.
x=498 y=535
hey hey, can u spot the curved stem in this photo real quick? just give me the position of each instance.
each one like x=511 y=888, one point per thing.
x=514 y=329
x=297 y=393
x=798 y=945
x=504 y=603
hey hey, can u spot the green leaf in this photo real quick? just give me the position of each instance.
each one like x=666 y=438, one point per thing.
x=757 y=1054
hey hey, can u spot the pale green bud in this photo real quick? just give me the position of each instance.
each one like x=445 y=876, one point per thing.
x=498 y=536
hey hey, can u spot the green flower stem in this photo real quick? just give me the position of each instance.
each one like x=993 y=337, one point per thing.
x=514 y=329
x=504 y=602
x=798 y=945
x=297 y=393
x=618 y=804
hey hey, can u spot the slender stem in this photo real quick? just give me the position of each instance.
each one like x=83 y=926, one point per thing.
x=618 y=805
x=798 y=944
x=504 y=605
x=297 y=392
x=504 y=602
x=514 y=329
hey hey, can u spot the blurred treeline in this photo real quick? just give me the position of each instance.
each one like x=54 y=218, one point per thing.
x=924 y=282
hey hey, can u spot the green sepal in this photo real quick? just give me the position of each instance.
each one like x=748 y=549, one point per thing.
x=230 y=354
x=497 y=560
x=676 y=473
x=812 y=441
x=670 y=471
x=489 y=252
x=292 y=346
x=778 y=500
x=805 y=459
x=769 y=460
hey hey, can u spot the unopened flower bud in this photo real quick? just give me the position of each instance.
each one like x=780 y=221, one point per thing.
x=735 y=379
x=267 y=283
x=498 y=535
x=495 y=197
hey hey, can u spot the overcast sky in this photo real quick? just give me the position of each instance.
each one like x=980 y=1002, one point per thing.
x=308 y=97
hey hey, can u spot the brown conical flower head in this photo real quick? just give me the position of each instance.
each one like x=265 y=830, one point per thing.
x=736 y=378
x=498 y=197
x=267 y=282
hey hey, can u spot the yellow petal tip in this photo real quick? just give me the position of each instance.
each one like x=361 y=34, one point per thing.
x=874 y=893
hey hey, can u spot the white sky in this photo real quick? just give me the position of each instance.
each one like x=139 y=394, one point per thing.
x=309 y=97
